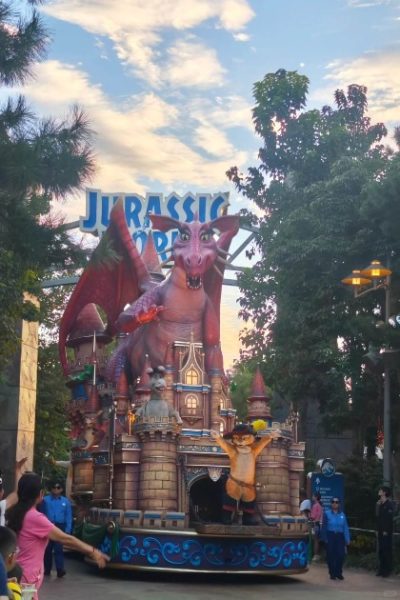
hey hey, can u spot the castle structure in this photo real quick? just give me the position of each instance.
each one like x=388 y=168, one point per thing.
x=126 y=463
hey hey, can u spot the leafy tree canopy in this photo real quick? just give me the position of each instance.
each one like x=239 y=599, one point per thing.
x=327 y=189
x=41 y=160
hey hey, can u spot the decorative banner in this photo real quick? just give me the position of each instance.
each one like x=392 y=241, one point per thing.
x=137 y=209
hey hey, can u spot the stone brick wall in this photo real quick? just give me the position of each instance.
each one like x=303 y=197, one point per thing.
x=158 y=475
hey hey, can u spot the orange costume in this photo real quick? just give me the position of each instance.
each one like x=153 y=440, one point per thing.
x=240 y=486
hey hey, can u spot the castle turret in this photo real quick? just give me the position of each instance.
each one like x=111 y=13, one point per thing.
x=215 y=374
x=169 y=373
x=258 y=401
x=272 y=473
x=87 y=324
x=157 y=426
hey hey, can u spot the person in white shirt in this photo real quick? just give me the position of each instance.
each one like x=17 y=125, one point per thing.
x=11 y=499
x=305 y=504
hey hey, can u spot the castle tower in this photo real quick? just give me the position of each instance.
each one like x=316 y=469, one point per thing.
x=258 y=401
x=87 y=325
x=169 y=374
x=194 y=391
x=272 y=471
x=216 y=401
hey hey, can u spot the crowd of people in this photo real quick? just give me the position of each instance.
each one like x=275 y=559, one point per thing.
x=330 y=527
x=34 y=529
x=33 y=526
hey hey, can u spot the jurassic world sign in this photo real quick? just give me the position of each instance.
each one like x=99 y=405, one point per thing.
x=137 y=208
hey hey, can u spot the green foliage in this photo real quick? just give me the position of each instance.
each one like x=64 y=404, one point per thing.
x=362 y=478
x=240 y=391
x=325 y=187
x=40 y=160
x=51 y=432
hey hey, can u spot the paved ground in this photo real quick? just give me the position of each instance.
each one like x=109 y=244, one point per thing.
x=82 y=583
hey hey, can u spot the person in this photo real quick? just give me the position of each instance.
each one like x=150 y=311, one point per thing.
x=34 y=530
x=336 y=535
x=8 y=552
x=3 y=581
x=384 y=518
x=11 y=499
x=316 y=516
x=305 y=504
x=58 y=510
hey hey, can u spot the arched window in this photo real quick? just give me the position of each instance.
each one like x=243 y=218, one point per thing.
x=221 y=428
x=191 y=404
x=192 y=377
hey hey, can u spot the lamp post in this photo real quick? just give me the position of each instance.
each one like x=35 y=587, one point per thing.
x=377 y=276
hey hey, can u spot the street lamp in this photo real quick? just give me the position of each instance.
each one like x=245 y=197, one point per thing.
x=377 y=276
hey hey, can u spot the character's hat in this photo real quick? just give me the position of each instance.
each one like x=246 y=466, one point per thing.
x=240 y=429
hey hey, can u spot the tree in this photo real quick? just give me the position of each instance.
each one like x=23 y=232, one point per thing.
x=51 y=432
x=41 y=160
x=321 y=177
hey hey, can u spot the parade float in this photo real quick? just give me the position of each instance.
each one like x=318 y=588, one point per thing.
x=165 y=477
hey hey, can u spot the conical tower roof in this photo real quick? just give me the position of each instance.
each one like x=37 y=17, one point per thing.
x=87 y=322
x=258 y=401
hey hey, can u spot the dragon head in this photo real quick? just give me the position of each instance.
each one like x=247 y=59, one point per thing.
x=196 y=248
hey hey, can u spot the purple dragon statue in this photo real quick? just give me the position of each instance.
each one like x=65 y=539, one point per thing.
x=184 y=306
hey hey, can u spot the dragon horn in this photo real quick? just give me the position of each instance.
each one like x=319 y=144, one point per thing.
x=222 y=251
x=218 y=271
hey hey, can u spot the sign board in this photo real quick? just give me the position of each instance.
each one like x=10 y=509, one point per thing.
x=328 y=486
x=137 y=209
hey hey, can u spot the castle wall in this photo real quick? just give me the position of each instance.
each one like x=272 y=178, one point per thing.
x=126 y=472
x=158 y=473
x=272 y=477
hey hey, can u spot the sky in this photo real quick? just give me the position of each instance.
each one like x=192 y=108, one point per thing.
x=167 y=84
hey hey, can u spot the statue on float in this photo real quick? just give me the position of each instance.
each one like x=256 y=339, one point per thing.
x=185 y=304
x=240 y=487
x=157 y=406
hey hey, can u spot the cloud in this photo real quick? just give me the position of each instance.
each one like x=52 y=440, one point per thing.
x=367 y=3
x=193 y=64
x=136 y=27
x=379 y=71
x=241 y=37
x=143 y=139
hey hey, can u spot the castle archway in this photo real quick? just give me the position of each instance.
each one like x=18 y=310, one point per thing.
x=206 y=498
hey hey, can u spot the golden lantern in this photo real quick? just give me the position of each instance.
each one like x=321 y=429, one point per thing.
x=376 y=270
x=356 y=279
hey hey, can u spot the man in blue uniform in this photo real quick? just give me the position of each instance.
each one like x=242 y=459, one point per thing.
x=57 y=509
x=336 y=535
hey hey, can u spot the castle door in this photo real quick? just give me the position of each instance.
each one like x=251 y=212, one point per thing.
x=206 y=500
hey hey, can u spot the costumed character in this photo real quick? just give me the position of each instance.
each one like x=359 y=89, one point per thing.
x=240 y=486
x=157 y=406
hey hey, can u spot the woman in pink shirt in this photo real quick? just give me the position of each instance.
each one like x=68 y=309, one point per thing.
x=316 y=516
x=34 y=530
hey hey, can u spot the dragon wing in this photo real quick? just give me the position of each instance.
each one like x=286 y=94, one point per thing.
x=228 y=226
x=115 y=276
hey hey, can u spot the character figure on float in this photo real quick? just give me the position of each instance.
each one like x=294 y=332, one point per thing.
x=157 y=406
x=241 y=483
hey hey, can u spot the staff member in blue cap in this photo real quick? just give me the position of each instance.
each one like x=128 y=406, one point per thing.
x=336 y=535
x=58 y=510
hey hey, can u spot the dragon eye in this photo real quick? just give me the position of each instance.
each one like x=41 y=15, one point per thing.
x=205 y=236
x=184 y=236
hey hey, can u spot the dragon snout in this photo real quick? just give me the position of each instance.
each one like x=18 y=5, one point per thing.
x=193 y=261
